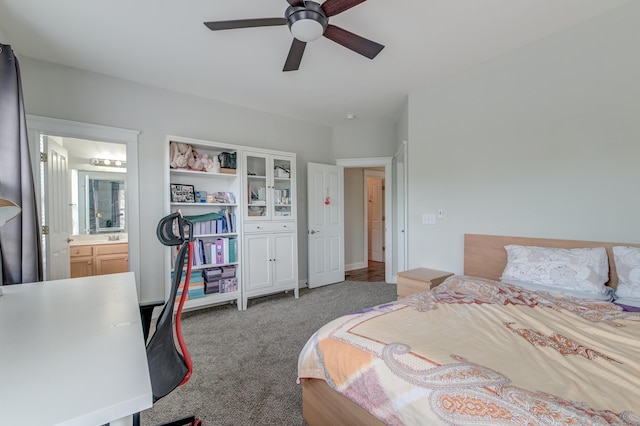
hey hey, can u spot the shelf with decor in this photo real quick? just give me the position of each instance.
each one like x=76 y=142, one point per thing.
x=269 y=179
x=203 y=183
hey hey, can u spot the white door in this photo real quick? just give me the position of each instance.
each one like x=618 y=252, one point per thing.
x=56 y=200
x=325 y=207
x=375 y=218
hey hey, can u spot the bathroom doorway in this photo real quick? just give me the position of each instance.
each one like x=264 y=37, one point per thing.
x=84 y=148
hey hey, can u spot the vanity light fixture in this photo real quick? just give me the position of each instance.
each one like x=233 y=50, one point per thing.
x=108 y=163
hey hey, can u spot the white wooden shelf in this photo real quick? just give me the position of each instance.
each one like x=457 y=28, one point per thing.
x=199 y=173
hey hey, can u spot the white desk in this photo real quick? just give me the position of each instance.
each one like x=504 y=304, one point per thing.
x=72 y=352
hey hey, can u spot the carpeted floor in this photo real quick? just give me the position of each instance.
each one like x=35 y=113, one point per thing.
x=245 y=363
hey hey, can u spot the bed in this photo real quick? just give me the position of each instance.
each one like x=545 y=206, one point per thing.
x=476 y=350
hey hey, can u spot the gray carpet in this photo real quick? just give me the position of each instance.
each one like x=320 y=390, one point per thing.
x=245 y=363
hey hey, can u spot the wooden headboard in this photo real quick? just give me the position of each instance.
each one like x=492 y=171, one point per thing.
x=485 y=256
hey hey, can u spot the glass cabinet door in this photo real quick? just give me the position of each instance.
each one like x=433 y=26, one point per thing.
x=257 y=186
x=282 y=196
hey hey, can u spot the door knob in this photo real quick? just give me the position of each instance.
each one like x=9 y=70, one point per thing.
x=313 y=232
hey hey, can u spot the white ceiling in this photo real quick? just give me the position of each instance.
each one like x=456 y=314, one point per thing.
x=164 y=43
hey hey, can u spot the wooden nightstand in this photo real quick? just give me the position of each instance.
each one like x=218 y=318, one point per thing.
x=419 y=280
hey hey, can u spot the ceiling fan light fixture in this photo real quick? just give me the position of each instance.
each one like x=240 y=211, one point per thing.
x=307 y=30
x=308 y=22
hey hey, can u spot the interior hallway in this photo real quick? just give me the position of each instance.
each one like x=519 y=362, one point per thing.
x=373 y=273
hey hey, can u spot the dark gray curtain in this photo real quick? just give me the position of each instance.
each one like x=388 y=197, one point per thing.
x=19 y=238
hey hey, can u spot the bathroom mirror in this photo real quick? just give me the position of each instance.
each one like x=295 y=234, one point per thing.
x=101 y=202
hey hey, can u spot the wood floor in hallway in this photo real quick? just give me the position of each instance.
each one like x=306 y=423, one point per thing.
x=373 y=273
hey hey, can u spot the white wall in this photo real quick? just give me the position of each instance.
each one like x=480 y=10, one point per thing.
x=56 y=91
x=543 y=142
x=364 y=138
x=3 y=38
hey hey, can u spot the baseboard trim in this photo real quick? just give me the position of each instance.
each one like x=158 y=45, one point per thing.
x=354 y=266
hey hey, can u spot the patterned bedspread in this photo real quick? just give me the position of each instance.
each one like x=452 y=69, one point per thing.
x=475 y=351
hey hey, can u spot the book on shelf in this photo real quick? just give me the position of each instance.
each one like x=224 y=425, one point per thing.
x=196 y=290
x=233 y=250
x=220 y=251
x=220 y=222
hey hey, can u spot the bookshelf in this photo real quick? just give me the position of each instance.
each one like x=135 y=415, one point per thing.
x=210 y=199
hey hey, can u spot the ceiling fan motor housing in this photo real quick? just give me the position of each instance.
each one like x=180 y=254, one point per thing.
x=307 y=22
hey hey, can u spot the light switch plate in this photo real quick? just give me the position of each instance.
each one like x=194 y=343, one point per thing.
x=429 y=219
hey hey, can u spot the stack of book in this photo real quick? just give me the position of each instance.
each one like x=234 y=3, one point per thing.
x=220 y=280
x=196 y=285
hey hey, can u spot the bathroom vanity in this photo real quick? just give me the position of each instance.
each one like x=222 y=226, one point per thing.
x=99 y=255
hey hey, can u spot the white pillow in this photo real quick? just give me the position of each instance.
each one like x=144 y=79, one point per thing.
x=627 y=261
x=584 y=270
x=608 y=296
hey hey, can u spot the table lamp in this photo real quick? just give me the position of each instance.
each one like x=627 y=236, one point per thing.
x=8 y=210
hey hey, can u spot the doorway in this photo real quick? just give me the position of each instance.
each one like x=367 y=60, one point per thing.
x=356 y=227
x=81 y=134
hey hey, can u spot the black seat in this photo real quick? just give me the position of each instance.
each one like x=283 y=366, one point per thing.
x=170 y=367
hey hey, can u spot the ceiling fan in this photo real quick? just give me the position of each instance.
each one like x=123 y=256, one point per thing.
x=307 y=21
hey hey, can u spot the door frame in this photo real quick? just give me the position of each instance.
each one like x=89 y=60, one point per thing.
x=385 y=162
x=37 y=125
x=402 y=211
x=371 y=174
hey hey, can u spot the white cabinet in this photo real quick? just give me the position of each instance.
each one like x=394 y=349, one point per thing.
x=273 y=265
x=270 y=223
x=210 y=200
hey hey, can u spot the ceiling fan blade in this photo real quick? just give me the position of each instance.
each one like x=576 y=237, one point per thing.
x=245 y=23
x=358 y=44
x=295 y=55
x=333 y=7
x=295 y=2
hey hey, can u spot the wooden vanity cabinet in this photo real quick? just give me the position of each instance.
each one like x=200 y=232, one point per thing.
x=100 y=259
x=81 y=258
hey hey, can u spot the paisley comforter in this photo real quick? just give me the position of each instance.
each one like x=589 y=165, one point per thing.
x=475 y=351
